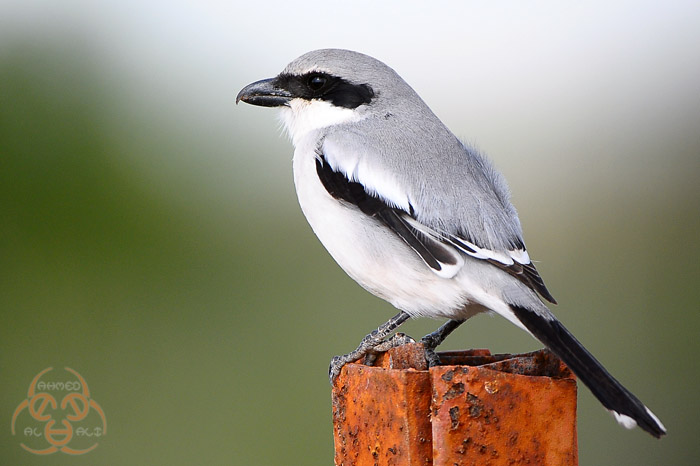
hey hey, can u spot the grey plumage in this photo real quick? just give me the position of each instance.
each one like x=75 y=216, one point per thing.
x=431 y=157
x=411 y=213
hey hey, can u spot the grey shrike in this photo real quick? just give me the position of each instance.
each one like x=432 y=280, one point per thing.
x=413 y=214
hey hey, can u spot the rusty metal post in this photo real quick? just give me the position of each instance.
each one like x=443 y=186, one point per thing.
x=478 y=409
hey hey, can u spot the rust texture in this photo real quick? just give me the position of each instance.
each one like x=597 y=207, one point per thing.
x=381 y=415
x=508 y=411
x=481 y=409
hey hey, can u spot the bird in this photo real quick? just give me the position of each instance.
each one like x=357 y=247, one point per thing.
x=415 y=215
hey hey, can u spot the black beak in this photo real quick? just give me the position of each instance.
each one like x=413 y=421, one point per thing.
x=265 y=93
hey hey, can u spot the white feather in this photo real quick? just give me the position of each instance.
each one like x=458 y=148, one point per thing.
x=624 y=420
x=375 y=179
x=303 y=116
x=520 y=256
x=483 y=253
x=658 y=421
x=447 y=270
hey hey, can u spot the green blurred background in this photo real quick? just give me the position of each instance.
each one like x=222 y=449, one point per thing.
x=150 y=237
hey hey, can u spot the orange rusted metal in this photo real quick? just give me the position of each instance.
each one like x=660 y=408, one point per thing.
x=481 y=409
x=505 y=411
x=381 y=414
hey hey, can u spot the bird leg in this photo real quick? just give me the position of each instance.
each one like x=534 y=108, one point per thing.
x=433 y=340
x=371 y=344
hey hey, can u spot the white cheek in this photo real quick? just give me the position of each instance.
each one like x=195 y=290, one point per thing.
x=303 y=116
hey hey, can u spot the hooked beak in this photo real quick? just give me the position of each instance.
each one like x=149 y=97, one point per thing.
x=264 y=93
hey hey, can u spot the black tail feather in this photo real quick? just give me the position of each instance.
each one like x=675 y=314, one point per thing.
x=604 y=386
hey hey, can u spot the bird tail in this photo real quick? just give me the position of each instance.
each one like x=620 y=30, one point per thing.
x=626 y=407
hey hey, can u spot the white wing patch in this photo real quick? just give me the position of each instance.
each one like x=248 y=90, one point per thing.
x=506 y=258
x=375 y=180
x=520 y=256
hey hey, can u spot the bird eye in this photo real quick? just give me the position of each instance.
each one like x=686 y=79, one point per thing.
x=316 y=82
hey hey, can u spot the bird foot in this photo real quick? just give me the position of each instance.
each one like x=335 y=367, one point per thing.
x=430 y=342
x=370 y=347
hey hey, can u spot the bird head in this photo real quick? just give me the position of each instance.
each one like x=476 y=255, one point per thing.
x=329 y=87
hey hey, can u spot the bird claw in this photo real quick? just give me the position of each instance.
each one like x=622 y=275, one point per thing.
x=429 y=343
x=370 y=347
x=431 y=357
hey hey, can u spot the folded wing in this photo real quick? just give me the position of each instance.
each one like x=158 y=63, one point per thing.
x=441 y=251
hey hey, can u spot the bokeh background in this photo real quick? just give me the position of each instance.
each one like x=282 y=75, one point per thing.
x=150 y=237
